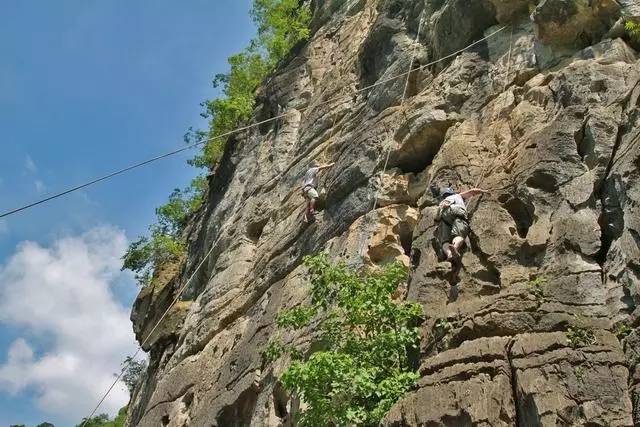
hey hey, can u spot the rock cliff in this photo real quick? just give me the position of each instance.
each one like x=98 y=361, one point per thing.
x=542 y=325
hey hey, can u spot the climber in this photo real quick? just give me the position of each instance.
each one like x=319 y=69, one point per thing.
x=309 y=191
x=454 y=225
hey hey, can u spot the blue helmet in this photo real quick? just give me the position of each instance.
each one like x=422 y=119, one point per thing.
x=447 y=191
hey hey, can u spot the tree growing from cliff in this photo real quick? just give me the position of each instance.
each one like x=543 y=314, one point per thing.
x=366 y=337
x=280 y=25
x=165 y=241
x=133 y=371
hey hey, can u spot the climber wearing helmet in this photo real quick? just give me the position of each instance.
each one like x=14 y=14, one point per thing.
x=452 y=211
x=309 y=191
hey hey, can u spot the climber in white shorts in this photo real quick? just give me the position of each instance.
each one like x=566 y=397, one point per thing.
x=309 y=191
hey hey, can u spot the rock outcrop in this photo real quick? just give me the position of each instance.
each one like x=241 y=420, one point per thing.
x=544 y=114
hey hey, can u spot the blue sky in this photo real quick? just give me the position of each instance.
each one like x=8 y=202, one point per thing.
x=87 y=87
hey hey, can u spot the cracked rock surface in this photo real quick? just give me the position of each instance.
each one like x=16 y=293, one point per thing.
x=544 y=114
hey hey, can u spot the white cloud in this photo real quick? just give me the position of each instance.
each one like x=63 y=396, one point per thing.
x=30 y=165
x=20 y=354
x=39 y=185
x=62 y=294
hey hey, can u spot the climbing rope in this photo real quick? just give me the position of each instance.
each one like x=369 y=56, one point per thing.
x=489 y=165
x=146 y=340
x=225 y=134
x=373 y=221
x=236 y=130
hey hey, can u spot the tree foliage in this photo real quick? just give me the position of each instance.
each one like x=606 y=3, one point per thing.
x=281 y=24
x=633 y=30
x=165 y=241
x=133 y=371
x=364 y=365
x=103 y=420
x=226 y=113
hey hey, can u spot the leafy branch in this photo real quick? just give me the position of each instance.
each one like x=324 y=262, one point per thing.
x=363 y=367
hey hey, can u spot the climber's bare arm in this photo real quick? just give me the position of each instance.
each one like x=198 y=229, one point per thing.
x=473 y=192
x=327 y=166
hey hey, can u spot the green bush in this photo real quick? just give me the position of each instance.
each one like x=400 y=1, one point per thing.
x=363 y=367
x=248 y=69
x=165 y=241
x=103 y=420
x=172 y=216
x=535 y=288
x=622 y=330
x=281 y=24
x=148 y=253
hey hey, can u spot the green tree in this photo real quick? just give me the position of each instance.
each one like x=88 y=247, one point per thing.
x=172 y=216
x=45 y=424
x=165 y=241
x=118 y=421
x=103 y=420
x=133 y=371
x=363 y=367
x=281 y=24
x=147 y=253
x=248 y=69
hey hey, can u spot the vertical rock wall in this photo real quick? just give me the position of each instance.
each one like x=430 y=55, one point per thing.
x=544 y=114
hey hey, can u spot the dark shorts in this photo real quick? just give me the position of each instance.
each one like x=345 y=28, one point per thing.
x=459 y=228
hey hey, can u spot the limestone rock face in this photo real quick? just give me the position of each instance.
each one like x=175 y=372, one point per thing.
x=544 y=114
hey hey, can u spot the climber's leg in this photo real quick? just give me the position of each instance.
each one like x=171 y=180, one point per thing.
x=447 y=249
x=457 y=243
x=455 y=247
x=460 y=231
x=311 y=195
x=306 y=211
x=442 y=238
